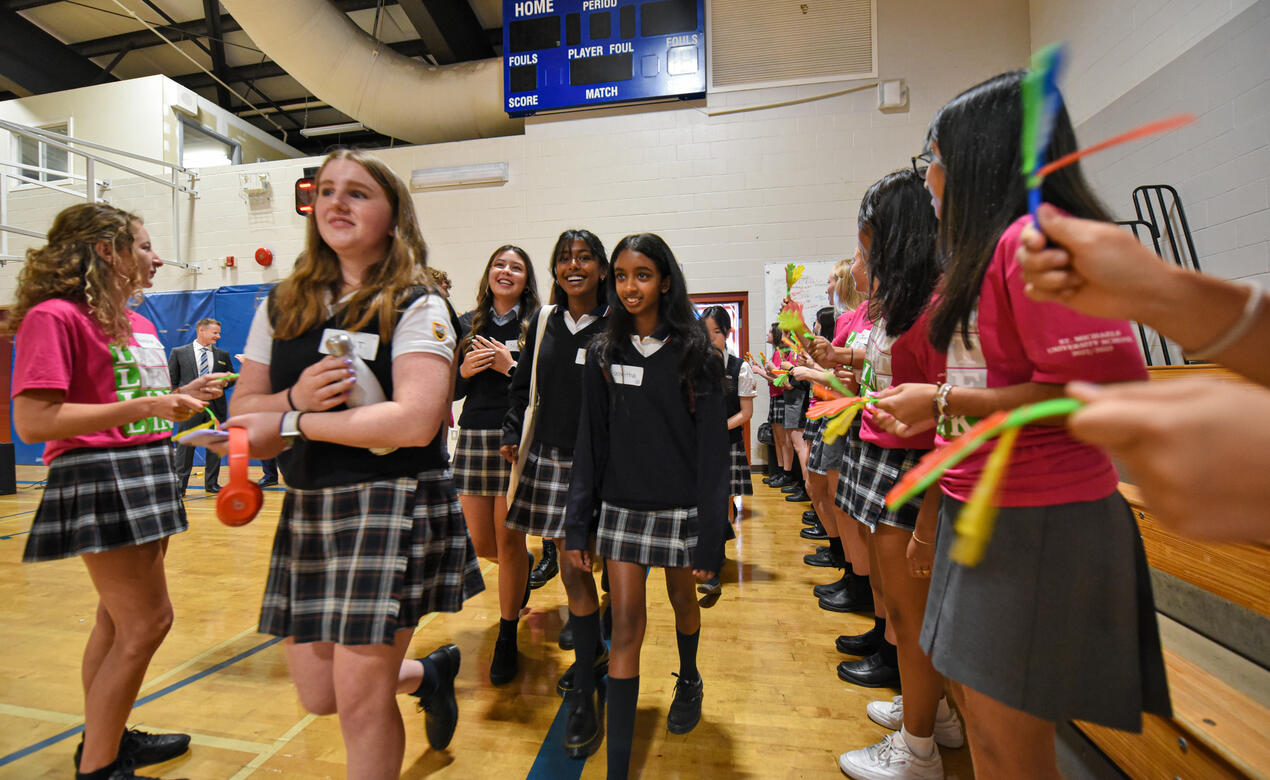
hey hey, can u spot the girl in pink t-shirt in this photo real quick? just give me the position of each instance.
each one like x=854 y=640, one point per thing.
x=1057 y=621
x=91 y=380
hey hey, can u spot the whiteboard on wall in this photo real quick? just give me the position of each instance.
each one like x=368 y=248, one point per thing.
x=808 y=291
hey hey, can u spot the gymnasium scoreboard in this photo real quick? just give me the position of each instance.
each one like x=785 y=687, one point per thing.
x=577 y=53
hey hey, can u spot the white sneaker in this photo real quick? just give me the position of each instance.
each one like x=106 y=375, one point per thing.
x=890 y=759
x=949 y=732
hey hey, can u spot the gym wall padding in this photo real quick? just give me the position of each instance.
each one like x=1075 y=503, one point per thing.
x=174 y=315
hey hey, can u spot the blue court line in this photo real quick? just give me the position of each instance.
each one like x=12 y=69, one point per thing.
x=552 y=763
x=53 y=740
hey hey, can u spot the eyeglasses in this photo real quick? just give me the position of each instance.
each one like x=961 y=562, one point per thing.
x=925 y=159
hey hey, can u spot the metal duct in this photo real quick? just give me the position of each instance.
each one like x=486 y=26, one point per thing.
x=319 y=46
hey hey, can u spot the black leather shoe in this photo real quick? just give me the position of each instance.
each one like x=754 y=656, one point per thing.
x=547 y=568
x=584 y=728
x=791 y=486
x=266 y=482
x=781 y=480
x=871 y=672
x=857 y=596
x=815 y=532
x=711 y=587
x=506 y=663
x=821 y=557
x=565 y=640
x=810 y=517
x=140 y=748
x=564 y=686
x=829 y=588
x=863 y=645
x=441 y=708
x=798 y=495
x=768 y=479
x=685 y=708
x=213 y=489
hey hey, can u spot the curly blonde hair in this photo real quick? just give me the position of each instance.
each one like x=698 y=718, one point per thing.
x=300 y=301
x=70 y=267
x=844 y=286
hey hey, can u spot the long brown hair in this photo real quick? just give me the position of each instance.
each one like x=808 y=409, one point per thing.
x=69 y=267
x=300 y=301
x=485 y=297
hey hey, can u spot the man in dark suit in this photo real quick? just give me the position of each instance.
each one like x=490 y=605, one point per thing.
x=186 y=363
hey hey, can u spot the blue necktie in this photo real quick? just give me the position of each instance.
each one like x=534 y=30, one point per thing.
x=202 y=361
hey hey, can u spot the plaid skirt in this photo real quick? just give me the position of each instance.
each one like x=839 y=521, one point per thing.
x=479 y=469
x=650 y=537
x=828 y=457
x=98 y=499
x=810 y=428
x=868 y=474
x=795 y=409
x=741 y=484
x=354 y=564
x=776 y=410
x=538 y=507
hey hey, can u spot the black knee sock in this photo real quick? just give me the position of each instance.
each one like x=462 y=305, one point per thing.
x=507 y=628
x=890 y=654
x=688 y=654
x=428 y=685
x=104 y=772
x=835 y=547
x=879 y=626
x=586 y=639
x=623 y=694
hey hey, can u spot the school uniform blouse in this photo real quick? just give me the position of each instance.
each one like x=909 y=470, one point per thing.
x=559 y=378
x=485 y=393
x=643 y=444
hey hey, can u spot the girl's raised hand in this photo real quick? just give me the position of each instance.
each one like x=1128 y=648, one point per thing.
x=323 y=385
x=821 y=351
x=501 y=357
x=475 y=361
x=264 y=434
x=177 y=407
x=206 y=387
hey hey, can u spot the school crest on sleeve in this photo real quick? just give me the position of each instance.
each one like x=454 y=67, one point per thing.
x=439 y=330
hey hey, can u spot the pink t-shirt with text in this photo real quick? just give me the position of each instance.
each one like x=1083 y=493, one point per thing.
x=61 y=347
x=896 y=360
x=1015 y=340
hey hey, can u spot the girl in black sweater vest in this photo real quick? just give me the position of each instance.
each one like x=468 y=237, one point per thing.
x=493 y=335
x=650 y=481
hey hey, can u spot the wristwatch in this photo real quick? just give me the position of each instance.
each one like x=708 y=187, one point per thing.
x=289 y=428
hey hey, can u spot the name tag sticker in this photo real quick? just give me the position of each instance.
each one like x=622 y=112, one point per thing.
x=513 y=345
x=148 y=340
x=581 y=358
x=367 y=344
x=628 y=375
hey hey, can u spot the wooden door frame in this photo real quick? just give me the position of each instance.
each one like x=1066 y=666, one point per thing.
x=741 y=297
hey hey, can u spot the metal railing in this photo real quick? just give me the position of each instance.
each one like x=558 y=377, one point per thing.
x=181 y=181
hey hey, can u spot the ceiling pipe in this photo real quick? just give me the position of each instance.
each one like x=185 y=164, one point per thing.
x=319 y=46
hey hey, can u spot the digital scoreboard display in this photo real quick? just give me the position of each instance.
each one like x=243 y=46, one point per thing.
x=574 y=53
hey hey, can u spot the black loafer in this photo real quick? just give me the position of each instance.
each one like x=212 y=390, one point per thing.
x=871 y=672
x=685 y=708
x=584 y=728
x=810 y=517
x=141 y=748
x=815 y=532
x=564 y=686
x=854 y=597
x=821 y=557
x=798 y=495
x=547 y=568
x=565 y=640
x=506 y=663
x=829 y=588
x=711 y=587
x=441 y=708
x=863 y=645
x=791 y=487
x=213 y=489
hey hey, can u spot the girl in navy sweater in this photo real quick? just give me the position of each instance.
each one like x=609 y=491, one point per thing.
x=493 y=334
x=650 y=480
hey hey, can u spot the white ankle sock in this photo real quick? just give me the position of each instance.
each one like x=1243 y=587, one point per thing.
x=922 y=747
x=942 y=711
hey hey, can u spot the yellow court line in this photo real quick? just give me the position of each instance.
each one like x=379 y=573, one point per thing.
x=277 y=745
x=176 y=670
x=37 y=714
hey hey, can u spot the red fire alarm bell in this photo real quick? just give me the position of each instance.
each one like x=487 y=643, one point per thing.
x=264 y=257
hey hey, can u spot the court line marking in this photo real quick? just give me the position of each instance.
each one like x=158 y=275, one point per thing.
x=182 y=667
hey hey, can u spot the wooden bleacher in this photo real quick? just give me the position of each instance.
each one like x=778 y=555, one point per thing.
x=1217 y=730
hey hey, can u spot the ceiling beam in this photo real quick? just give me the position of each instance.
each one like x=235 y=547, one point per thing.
x=450 y=30
x=36 y=61
x=216 y=41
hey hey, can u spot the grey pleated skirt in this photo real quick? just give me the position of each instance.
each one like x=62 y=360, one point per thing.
x=1057 y=620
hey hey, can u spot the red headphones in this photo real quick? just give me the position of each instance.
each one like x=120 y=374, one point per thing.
x=240 y=500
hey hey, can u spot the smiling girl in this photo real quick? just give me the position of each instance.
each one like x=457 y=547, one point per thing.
x=653 y=414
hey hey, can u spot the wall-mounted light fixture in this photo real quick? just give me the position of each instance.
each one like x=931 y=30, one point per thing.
x=481 y=175
x=347 y=127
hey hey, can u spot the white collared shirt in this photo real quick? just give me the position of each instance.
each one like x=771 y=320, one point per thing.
x=647 y=345
x=506 y=317
x=583 y=321
x=198 y=355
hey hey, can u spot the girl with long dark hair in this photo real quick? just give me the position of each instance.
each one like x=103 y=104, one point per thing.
x=653 y=415
x=1064 y=579
x=493 y=336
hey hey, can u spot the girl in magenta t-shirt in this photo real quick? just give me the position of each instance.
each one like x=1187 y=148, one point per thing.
x=91 y=381
x=1057 y=621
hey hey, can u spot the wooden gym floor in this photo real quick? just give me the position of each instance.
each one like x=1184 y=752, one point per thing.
x=774 y=707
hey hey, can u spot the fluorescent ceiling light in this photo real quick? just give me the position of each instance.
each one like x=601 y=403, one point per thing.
x=347 y=127
x=459 y=176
